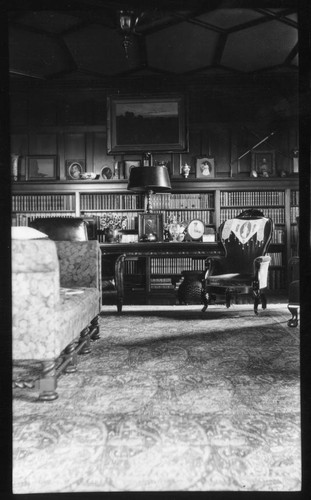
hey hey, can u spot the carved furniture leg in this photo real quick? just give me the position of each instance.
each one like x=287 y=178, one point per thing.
x=204 y=298
x=119 y=276
x=47 y=383
x=263 y=300
x=95 y=329
x=85 y=340
x=293 y=322
x=71 y=367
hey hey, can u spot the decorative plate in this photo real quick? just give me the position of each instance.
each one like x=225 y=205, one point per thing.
x=106 y=173
x=195 y=229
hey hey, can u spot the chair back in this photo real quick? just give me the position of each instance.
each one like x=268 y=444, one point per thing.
x=244 y=238
x=62 y=228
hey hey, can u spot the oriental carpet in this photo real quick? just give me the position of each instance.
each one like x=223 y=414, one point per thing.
x=170 y=399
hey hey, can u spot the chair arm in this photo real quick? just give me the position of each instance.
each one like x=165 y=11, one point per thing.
x=261 y=266
x=212 y=266
x=79 y=263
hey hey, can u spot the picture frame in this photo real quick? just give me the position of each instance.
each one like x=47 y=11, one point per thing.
x=263 y=162
x=74 y=169
x=205 y=167
x=128 y=165
x=41 y=168
x=150 y=223
x=146 y=124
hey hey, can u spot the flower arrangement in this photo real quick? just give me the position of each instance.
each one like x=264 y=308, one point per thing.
x=113 y=221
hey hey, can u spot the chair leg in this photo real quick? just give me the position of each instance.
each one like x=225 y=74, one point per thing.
x=204 y=299
x=293 y=322
x=228 y=299
x=263 y=300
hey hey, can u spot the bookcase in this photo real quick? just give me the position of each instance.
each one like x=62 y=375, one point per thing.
x=210 y=201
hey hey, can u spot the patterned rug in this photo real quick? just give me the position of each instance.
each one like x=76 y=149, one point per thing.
x=170 y=399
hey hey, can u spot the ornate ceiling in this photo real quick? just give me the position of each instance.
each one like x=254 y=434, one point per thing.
x=82 y=39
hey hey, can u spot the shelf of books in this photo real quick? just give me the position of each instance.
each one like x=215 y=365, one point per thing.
x=26 y=207
x=183 y=207
x=104 y=205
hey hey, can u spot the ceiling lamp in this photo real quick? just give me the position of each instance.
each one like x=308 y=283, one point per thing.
x=128 y=20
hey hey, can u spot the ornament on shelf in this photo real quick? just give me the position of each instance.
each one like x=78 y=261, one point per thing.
x=185 y=170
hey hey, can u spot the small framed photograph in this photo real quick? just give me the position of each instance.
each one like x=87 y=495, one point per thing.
x=150 y=224
x=263 y=162
x=41 y=168
x=128 y=165
x=74 y=169
x=205 y=167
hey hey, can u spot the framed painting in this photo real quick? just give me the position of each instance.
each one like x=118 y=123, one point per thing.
x=41 y=168
x=146 y=124
x=205 y=167
x=74 y=169
x=150 y=224
x=263 y=163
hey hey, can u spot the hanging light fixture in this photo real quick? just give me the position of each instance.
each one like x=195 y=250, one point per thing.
x=128 y=21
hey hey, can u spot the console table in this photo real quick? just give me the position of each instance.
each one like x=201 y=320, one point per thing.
x=123 y=251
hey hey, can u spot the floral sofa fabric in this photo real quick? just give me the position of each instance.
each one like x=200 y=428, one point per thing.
x=46 y=317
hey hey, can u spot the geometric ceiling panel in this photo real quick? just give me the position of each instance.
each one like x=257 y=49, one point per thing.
x=170 y=49
x=50 y=21
x=35 y=54
x=228 y=18
x=99 y=50
x=262 y=46
x=81 y=39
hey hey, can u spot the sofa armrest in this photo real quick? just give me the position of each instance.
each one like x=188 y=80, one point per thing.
x=79 y=263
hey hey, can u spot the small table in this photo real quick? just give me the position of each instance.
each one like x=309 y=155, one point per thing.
x=123 y=251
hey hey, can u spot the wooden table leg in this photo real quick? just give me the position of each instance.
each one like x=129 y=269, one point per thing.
x=119 y=277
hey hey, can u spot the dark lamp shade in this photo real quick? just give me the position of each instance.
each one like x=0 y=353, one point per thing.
x=144 y=179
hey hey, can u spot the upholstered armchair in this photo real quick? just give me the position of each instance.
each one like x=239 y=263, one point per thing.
x=56 y=301
x=244 y=267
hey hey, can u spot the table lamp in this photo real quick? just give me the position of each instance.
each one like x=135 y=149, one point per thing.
x=149 y=180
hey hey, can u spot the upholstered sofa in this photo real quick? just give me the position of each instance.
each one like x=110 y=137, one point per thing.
x=56 y=300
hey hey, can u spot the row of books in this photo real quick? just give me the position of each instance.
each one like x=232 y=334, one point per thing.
x=166 y=265
x=183 y=200
x=276 y=214
x=23 y=220
x=276 y=279
x=96 y=201
x=294 y=213
x=276 y=258
x=206 y=216
x=252 y=198
x=42 y=202
x=294 y=197
x=278 y=236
